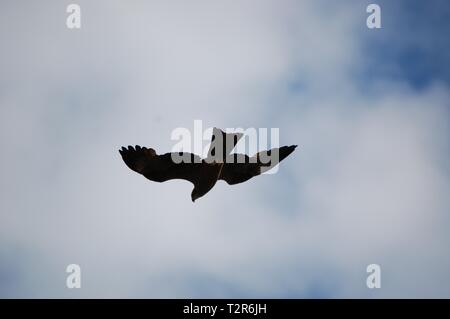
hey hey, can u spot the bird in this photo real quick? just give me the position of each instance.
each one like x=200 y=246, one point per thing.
x=203 y=173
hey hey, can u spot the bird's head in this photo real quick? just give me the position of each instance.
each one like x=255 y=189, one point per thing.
x=195 y=194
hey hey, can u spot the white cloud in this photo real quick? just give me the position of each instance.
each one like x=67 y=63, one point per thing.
x=368 y=183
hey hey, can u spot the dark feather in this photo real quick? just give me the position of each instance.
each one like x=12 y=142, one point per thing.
x=161 y=168
x=203 y=174
x=242 y=167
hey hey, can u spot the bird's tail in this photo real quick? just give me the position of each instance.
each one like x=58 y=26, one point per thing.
x=222 y=144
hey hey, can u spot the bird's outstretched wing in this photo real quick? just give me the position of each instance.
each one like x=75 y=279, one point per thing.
x=160 y=168
x=242 y=168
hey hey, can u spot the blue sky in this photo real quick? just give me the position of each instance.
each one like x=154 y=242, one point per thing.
x=369 y=182
x=412 y=43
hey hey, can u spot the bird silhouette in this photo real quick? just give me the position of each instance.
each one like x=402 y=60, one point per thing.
x=220 y=163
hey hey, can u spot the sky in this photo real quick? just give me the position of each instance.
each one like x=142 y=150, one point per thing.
x=368 y=184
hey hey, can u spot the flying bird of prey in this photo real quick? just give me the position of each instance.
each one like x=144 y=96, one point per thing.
x=219 y=164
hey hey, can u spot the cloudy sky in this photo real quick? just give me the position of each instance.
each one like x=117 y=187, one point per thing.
x=369 y=183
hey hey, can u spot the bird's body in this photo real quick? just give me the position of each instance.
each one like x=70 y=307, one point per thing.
x=203 y=173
